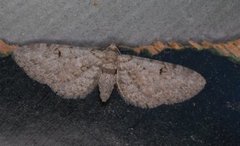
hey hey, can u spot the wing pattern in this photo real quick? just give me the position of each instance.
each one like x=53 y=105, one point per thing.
x=148 y=83
x=70 y=71
x=73 y=72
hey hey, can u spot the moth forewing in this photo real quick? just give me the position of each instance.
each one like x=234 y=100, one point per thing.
x=72 y=72
x=149 y=83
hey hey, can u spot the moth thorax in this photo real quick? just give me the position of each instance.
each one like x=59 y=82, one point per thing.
x=109 y=68
x=111 y=55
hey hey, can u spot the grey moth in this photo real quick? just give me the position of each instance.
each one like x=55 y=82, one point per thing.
x=73 y=72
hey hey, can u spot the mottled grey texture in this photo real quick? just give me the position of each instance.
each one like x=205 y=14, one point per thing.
x=123 y=21
x=149 y=83
x=74 y=72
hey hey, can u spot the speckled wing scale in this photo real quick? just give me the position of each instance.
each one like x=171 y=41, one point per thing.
x=73 y=72
x=149 y=83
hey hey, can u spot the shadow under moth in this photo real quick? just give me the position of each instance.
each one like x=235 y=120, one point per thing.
x=73 y=72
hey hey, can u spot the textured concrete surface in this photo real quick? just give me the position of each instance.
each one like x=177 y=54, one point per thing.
x=95 y=22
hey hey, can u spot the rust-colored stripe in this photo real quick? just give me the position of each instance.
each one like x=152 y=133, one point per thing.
x=6 y=49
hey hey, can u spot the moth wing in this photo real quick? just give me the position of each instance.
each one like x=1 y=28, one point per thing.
x=69 y=71
x=149 y=83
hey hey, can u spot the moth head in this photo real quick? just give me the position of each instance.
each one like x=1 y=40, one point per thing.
x=113 y=48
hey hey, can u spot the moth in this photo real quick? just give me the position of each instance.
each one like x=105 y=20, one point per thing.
x=73 y=72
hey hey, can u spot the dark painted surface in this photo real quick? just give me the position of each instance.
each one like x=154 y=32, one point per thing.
x=31 y=114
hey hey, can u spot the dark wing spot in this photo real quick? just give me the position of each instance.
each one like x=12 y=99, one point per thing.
x=59 y=53
x=162 y=70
